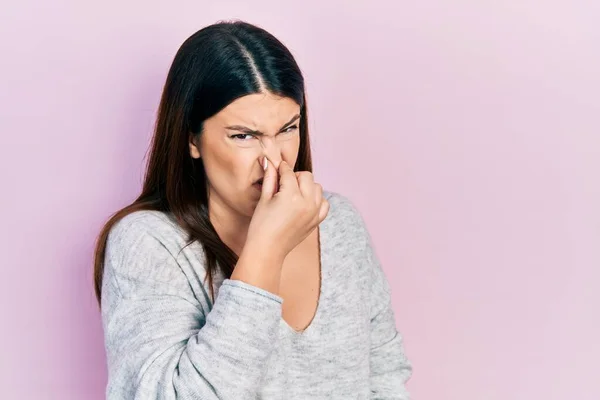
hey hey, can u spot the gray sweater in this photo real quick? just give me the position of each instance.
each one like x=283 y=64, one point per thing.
x=165 y=339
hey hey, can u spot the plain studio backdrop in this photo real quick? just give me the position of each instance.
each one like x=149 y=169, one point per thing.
x=466 y=132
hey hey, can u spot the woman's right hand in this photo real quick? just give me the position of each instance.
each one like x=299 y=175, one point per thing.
x=291 y=206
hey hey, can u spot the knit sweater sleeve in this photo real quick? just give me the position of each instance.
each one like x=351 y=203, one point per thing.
x=161 y=341
x=390 y=368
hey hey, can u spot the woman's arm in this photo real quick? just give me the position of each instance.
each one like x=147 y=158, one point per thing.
x=390 y=369
x=160 y=340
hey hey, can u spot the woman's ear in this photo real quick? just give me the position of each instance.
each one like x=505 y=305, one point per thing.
x=194 y=148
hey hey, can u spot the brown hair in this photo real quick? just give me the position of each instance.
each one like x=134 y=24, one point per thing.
x=212 y=68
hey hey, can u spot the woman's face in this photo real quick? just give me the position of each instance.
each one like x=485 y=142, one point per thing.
x=234 y=141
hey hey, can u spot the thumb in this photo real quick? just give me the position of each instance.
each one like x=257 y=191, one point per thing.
x=269 y=186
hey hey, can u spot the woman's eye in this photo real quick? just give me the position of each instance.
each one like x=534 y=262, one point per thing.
x=241 y=136
x=291 y=128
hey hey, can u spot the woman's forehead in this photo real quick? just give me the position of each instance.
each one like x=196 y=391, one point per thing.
x=257 y=111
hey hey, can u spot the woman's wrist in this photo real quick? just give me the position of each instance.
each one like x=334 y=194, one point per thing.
x=264 y=251
x=259 y=266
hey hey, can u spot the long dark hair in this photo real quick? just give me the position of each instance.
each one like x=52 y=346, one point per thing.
x=212 y=68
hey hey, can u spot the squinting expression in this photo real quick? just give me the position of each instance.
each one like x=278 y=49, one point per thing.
x=235 y=139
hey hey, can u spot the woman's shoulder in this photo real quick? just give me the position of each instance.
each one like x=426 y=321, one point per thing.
x=146 y=219
x=144 y=257
x=343 y=212
x=146 y=227
x=144 y=254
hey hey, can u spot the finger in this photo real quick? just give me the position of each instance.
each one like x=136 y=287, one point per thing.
x=324 y=210
x=287 y=178
x=306 y=183
x=269 y=186
x=318 y=194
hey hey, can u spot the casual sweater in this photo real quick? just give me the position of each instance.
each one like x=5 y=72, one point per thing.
x=166 y=340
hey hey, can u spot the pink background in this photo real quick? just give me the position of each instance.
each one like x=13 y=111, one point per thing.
x=467 y=133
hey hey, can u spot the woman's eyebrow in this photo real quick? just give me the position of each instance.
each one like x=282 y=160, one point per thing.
x=259 y=133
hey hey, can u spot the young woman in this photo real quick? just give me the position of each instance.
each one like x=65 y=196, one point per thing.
x=234 y=275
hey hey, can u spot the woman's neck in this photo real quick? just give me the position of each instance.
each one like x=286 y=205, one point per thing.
x=231 y=226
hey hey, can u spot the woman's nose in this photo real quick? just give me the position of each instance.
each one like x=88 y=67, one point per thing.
x=272 y=150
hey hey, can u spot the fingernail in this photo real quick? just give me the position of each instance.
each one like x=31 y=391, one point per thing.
x=265 y=163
